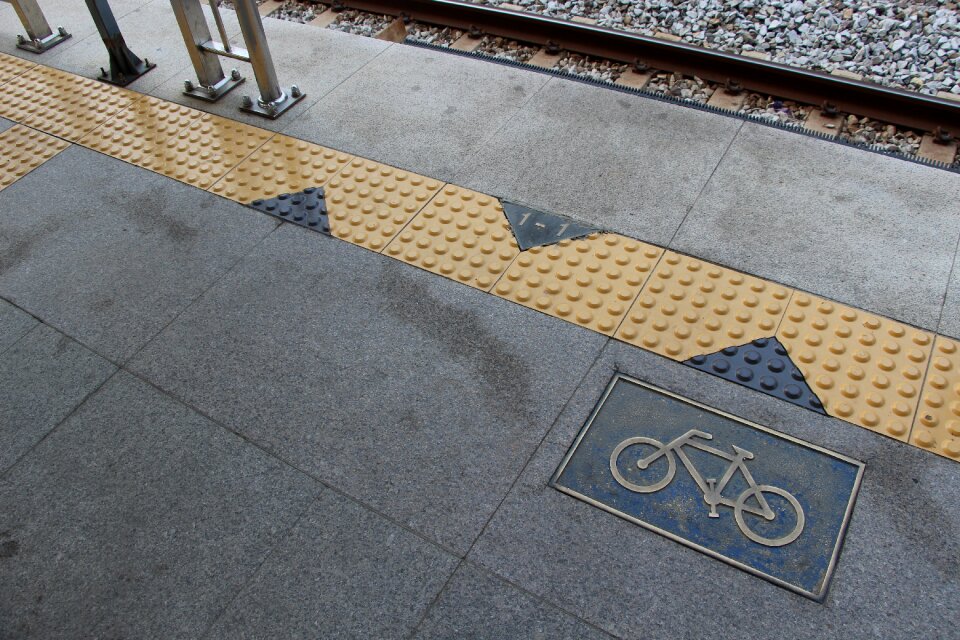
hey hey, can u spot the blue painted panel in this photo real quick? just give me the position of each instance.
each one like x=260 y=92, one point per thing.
x=793 y=477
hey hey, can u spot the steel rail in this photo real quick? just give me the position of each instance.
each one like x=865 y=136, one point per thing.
x=907 y=108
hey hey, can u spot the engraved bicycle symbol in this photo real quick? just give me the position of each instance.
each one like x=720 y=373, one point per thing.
x=712 y=489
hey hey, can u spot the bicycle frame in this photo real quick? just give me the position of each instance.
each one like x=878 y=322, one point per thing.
x=711 y=488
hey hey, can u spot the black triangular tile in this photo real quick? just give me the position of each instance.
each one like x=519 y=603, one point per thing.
x=763 y=365
x=534 y=228
x=306 y=208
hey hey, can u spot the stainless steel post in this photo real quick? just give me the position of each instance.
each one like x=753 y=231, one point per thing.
x=125 y=66
x=215 y=10
x=273 y=101
x=39 y=35
x=203 y=51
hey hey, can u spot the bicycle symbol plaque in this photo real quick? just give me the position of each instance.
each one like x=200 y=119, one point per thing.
x=761 y=500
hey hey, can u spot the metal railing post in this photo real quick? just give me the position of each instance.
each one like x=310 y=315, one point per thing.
x=272 y=101
x=125 y=67
x=211 y=82
x=39 y=35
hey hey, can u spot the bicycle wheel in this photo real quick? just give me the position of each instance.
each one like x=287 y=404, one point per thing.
x=635 y=458
x=769 y=542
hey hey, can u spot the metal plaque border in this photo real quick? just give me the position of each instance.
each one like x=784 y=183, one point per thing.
x=817 y=596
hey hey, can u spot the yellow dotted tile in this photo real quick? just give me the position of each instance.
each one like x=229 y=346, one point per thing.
x=369 y=203
x=207 y=148
x=22 y=150
x=282 y=165
x=60 y=103
x=12 y=66
x=865 y=369
x=591 y=282
x=460 y=234
x=937 y=426
x=139 y=134
x=690 y=307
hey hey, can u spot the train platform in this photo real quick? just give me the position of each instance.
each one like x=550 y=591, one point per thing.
x=218 y=422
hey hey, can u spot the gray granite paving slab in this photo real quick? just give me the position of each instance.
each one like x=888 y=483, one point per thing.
x=73 y=16
x=137 y=518
x=316 y=60
x=42 y=378
x=866 y=230
x=898 y=575
x=151 y=32
x=477 y=605
x=344 y=572
x=623 y=162
x=950 y=315
x=121 y=251
x=419 y=396
x=418 y=109
x=14 y=324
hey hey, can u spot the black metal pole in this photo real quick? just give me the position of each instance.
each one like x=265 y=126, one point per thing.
x=125 y=66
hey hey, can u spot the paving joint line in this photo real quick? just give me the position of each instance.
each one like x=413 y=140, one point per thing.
x=703 y=188
x=17 y=341
x=300 y=115
x=340 y=492
x=6 y=472
x=509 y=490
x=215 y=280
x=281 y=537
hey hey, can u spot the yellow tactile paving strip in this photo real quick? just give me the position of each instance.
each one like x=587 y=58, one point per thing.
x=60 y=103
x=937 y=426
x=690 y=307
x=11 y=66
x=207 y=148
x=282 y=165
x=867 y=370
x=139 y=134
x=22 y=150
x=369 y=203
x=590 y=282
x=461 y=234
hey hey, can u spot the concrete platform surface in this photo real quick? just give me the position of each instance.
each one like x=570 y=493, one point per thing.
x=215 y=425
x=872 y=231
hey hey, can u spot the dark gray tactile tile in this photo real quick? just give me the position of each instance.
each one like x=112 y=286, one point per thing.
x=477 y=605
x=622 y=162
x=950 y=318
x=418 y=109
x=344 y=572
x=415 y=394
x=897 y=576
x=137 y=518
x=109 y=253
x=866 y=230
x=316 y=60
x=42 y=378
x=5 y=124
x=14 y=324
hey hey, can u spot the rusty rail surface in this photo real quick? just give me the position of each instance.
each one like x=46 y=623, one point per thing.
x=906 y=108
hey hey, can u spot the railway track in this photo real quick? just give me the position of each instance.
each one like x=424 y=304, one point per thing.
x=830 y=95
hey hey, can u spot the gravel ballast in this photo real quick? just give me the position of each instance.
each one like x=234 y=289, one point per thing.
x=911 y=45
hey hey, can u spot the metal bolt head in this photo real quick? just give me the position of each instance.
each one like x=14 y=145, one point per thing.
x=187 y=85
x=246 y=102
x=20 y=39
x=235 y=75
x=295 y=91
x=62 y=31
